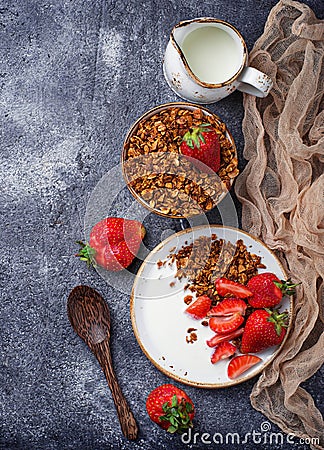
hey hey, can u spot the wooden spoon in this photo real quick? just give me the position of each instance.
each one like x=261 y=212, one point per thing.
x=90 y=318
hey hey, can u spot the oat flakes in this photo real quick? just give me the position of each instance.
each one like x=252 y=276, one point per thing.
x=208 y=258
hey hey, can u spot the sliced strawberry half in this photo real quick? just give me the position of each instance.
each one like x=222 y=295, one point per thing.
x=226 y=324
x=241 y=364
x=218 y=338
x=200 y=307
x=222 y=351
x=225 y=287
x=228 y=306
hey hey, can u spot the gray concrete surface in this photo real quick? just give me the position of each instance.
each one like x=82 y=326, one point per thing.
x=74 y=76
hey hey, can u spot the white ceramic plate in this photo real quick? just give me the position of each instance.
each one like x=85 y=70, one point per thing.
x=160 y=324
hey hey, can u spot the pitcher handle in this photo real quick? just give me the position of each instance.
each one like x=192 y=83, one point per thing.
x=254 y=82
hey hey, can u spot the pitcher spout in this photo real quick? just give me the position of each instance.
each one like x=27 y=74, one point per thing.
x=182 y=29
x=179 y=33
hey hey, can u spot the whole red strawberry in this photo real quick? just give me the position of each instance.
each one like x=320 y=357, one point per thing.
x=202 y=144
x=171 y=408
x=268 y=290
x=113 y=243
x=264 y=328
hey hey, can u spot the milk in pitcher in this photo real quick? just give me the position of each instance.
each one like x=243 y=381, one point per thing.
x=212 y=54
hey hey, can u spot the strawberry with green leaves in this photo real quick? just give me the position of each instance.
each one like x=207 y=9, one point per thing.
x=113 y=244
x=202 y=144
x=268 y=290
x=171 y=408
x=264 y=328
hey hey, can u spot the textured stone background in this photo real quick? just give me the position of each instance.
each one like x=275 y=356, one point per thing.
x=74 y=76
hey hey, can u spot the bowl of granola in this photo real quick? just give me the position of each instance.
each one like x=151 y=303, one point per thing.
x=160 y=163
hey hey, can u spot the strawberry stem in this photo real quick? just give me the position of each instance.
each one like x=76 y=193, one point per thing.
x=177 y=414
x=280 y=320
x=194 y=136
x=86 y=253
x=286 y=287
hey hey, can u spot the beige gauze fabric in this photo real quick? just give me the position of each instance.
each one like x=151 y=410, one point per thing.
x=282 y=195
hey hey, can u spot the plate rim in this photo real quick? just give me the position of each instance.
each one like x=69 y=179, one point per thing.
x=172 y=374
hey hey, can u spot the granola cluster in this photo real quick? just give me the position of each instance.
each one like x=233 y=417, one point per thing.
x=165 y=180
x=191 y=336
x=208 y=258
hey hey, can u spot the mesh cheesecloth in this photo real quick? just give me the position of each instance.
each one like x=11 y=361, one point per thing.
x=282 y=194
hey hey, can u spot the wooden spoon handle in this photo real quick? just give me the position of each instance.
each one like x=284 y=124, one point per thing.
x=125 y=415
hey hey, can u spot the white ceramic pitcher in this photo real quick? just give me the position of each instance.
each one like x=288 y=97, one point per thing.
x=229 y=56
